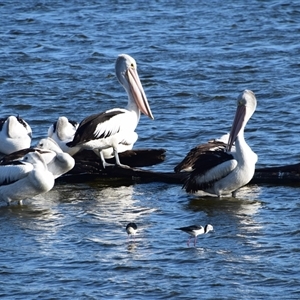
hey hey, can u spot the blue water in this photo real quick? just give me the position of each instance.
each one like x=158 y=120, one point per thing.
x=194 y=58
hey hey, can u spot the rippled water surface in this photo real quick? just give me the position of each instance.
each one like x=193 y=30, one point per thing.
x=194 y=58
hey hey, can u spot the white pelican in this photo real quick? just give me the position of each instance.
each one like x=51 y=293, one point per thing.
x=219 y=172
x=131 y=229
x=15 y=134
x=57 y=161
x=195 y=230
x=112 y=127
x=24 y=178
x=62 y=131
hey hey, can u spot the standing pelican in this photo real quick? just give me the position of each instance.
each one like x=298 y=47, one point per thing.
x=117 y=125
x=24 y=178
x=219 y=172
x=15 y=134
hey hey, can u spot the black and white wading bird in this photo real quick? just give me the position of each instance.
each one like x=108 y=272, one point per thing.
x=15 y=134
x=195 y=230
x=131 y=229
x=115 y=126
x=223 y=173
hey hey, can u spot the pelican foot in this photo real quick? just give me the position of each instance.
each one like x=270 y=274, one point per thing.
x=122 y=166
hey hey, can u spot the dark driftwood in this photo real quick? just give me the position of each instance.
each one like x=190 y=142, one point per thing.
x=88 y=167
x=289 y=174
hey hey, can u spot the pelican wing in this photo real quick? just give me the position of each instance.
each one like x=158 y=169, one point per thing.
x=15 y=156
x=210 y=167
x=97 y=126
x=187 y=164
x=14 y=172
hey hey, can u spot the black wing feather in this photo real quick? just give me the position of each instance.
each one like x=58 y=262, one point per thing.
x=205 y=162
x=197 y=151
x=87 y=127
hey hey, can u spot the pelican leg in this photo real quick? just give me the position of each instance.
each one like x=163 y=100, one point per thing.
x=234 y=193
x=116 y=154
x=104 y=163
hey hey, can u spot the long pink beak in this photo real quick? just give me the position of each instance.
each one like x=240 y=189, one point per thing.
x=138 y=93
x=238 y=124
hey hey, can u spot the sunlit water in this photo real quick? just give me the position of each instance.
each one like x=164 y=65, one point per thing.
x=194 y=58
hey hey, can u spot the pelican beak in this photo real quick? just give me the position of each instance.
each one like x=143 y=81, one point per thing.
x=138 y=93
x=238 y=123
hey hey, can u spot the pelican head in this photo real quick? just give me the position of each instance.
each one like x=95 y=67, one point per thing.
x=246 y=105
x=126 y=72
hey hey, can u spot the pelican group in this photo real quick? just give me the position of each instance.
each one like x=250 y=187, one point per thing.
x=115 y=126
x=224 y=172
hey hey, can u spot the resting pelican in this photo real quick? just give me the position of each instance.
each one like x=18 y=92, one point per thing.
x=24 y=178
x=219 y=172
x=114 y=126
x=195 y=230
x=62 y=131
x=15 y=134
x=57 y=161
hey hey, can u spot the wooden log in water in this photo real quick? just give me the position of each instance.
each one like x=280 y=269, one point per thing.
x=89 y=167
x=289 y=174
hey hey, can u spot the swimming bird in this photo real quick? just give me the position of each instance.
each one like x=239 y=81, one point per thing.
x=24 y=178
x=114 y=126
x=15 y=134
x=195 y=230
x=219 y=172
x=62 y=131
x=131 y=229
x=57 y=161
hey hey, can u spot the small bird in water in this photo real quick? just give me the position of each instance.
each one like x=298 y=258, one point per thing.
x=131 y=229
x=195 y=230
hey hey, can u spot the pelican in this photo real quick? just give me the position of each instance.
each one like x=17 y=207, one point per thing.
x=57 y=161
x=195 y=230
x=114 y=126
x=62 y=131
x=15 y=134
x=24 y=178
x=219 y=172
